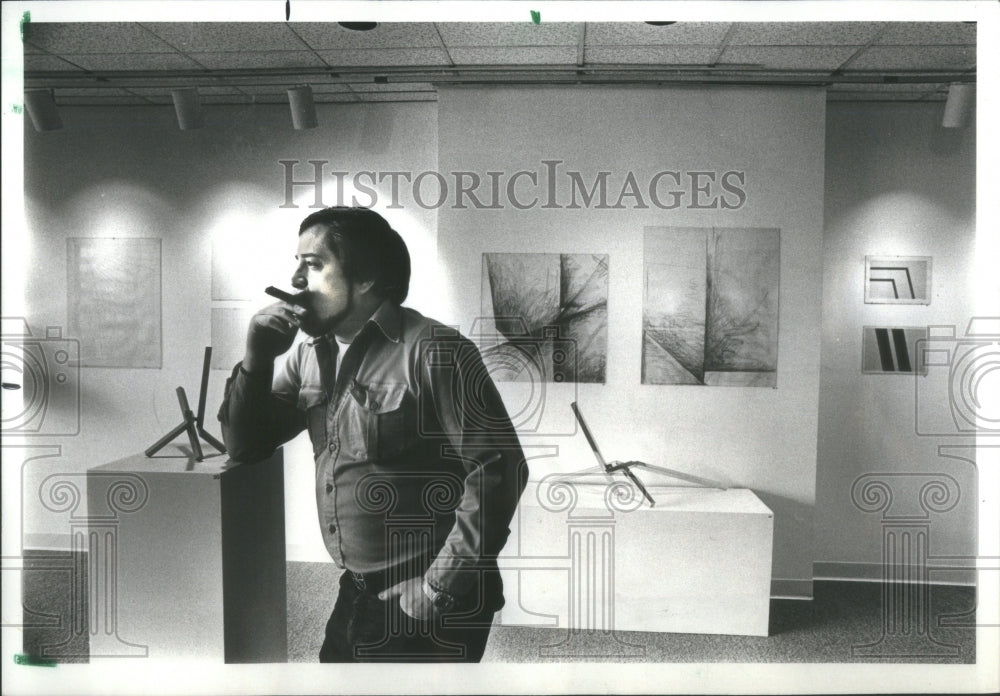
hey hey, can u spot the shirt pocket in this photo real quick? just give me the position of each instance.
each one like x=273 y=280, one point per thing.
x=313 y=401
x=391 y=426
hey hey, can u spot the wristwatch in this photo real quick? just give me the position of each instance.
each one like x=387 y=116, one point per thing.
x=441 y=600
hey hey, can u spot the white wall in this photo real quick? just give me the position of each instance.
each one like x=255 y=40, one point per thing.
x=129 y=172
x=763 y=439
x=897 y=184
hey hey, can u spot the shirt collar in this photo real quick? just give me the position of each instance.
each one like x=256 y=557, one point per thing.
x=388 y=319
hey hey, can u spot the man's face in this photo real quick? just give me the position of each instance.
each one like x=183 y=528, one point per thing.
x=330 y=296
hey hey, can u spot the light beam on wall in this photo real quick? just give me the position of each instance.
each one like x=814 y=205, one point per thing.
x=958 y=107
x=300 y=99
x=187 y=104
x=42 y=110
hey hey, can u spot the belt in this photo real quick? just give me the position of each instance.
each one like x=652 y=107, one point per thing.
x=376 y=581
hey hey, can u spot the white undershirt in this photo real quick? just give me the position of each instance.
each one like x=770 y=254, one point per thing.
x=341 y=349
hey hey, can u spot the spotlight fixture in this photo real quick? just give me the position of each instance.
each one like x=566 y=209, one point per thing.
x=187 y=105
x=958 y=107
x=358 y=26
x=300 y=99
x=42 y=111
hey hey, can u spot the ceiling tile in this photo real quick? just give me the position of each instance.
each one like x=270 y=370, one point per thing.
x=282 y=89
x=132 y=61
x=509 y=34
x=95 y=37
x=386 y=56
x=915 y=58
x=803 y=33
x=789 y=57
x=642 y=34
x=343 y=98
x=44 y=63
x=651 y=55
x=399 y=96
x=394 y=87
x=928 y=33
x=550 y=55
x=888 y=86
x=385 y=35
x=91 y=92
x=125 y=100
x=198 y=37
x=235 y=60
x=879 y=96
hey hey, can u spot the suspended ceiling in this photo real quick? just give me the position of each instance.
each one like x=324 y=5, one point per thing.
x=249 y=62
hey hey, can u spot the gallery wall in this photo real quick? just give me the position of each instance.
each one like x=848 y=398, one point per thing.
x=214 y=198
x=897 y=184
x=756 y=437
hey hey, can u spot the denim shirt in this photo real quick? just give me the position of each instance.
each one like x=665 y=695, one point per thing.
x=417 y=462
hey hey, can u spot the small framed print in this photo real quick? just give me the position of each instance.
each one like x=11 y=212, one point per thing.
x=897 y=280
x=892 y=350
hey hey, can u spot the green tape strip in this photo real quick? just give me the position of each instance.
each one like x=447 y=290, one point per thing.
x=25 y=26
x=536 y=17
x=32 y=661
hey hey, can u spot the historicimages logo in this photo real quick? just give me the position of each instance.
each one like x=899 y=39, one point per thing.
x=960 y=394
x=41 y=381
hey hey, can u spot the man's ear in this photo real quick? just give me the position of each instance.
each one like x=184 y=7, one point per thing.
x=365 y=287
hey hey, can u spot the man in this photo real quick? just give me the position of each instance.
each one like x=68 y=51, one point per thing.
x=418 y=468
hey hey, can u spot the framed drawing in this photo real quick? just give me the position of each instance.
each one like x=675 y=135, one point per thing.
x=897 y=280
x=892 y=350
x=113 y=300
x=710 y=306
x=546 y=316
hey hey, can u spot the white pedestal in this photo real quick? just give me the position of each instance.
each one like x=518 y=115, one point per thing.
x=582 y=557
x=187 y=559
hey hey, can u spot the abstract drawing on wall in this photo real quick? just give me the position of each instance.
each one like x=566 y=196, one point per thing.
x=893 y=350
x=113 y=301
x=229 y=335
x=898 y=279
x=710 y=306
x=545 y=317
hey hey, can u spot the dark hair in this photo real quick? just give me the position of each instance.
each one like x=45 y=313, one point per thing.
x=367 y=247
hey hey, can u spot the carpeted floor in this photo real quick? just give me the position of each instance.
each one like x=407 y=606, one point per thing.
x=843 y=623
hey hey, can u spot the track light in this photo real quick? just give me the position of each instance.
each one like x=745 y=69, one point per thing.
x=187 y=104
x=300 y=99
x=42 y=110
x=958 y=107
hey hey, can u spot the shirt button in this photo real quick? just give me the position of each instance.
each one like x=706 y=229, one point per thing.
x=332 y=529
x=333 y=446
x=329 y=488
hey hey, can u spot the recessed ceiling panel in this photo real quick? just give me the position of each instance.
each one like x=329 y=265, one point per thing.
x=388 y=56
x=133 y=61
x=915 y=58
x=258 y=59
x=331 y=35
x=95 y=37
x=44 y=63
x=651 y=55
x=642 y=34
x=928 y=33
x=789 y=57
x=198 y=37
x=527 y=55
x=509 y=33
x=804 y=33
